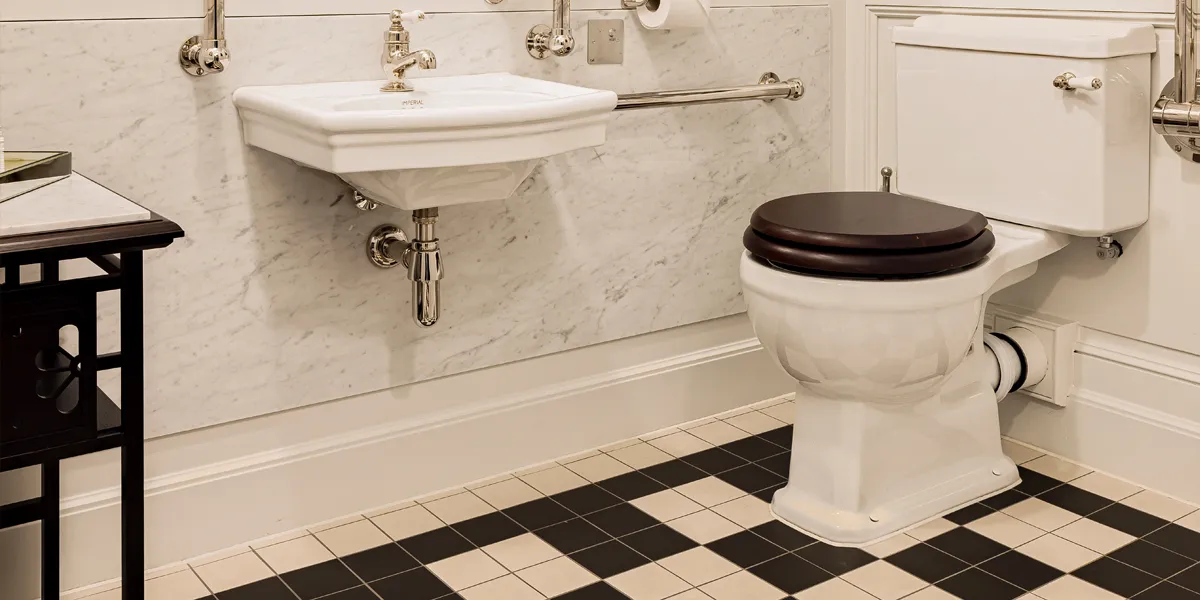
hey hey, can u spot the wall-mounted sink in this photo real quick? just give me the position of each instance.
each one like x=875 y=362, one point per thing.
x=452 y=140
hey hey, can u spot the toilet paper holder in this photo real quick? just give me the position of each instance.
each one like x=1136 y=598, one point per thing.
x=633 y=3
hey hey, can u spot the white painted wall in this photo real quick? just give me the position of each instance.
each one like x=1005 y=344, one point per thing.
x=1136 y=410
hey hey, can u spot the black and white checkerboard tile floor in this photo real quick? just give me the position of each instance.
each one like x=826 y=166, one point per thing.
x=683 y=514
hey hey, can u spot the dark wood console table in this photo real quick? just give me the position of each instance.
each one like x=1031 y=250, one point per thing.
x=51 y=407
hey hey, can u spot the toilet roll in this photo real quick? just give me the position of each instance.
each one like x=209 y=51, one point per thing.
x=673 y=14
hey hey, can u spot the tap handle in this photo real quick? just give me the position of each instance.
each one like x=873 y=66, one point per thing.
x=400 y=18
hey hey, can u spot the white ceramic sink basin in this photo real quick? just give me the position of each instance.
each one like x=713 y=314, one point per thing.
x=452 y=140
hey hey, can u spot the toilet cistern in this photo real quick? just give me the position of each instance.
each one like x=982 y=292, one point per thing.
x=397 y=59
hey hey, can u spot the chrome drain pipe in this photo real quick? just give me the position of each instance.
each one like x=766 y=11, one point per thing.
x=421 y=255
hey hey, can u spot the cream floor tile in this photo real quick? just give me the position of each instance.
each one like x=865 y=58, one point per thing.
x=407 y=522
x=692 y=594
x=1094 y=536
x=442 y=494
x=383 y=510
x=353 y=538
x=704 y=526
x=466 y=570
x=507 y=493
x=1073 y=588
x=785 y=412
x=1057 y=468
x=666 y=505
x=648 y=582
x=509 y=587
x=699 y=566
x=621 y=444
x=741 y=586
x=474 y=485
x=295 y=554
x=1064 y=555
x=234 y=571
x=522 y=551
x=747 y=511
x=710 y=491
x=931 y=529
x=554 y=480
x=184 y=585
x=1191 y=521
x=578 y=456
x=557 y=577
x=332 y=523
x=1041 y=514
x=933 y=593
x=278 y=538
x=536 y=468
x=892 y=545
x=653 y=435
x=458 y=508
x=599 y=468
x=884 y=581
x=1019 y=453
x=834 y=589
x=1103 y=485
x=680 y=444
x=1159 y=505
x=755 y=422
x=640 y=455
x=718 y=432
x=1007 y=530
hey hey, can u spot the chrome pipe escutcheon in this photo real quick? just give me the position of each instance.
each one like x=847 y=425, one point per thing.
x=207 y=53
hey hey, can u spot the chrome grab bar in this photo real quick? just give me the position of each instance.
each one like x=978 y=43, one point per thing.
x=769 y=87
x=1176 y=114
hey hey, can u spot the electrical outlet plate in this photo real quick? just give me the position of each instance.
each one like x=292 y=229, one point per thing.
x=1059 y=336
x=606 y=42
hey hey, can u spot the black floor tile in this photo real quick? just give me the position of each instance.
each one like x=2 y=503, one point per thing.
x=1020 y=570
x=969 y=513
x=783 y=536
x=659 y=542
x=974 y=584
x=1153 y=559
x=377 y=563
x=320 y=579
x=1116 y=577
x=834 y=559
x=1034 y=483
x=1128 y=519
x=417 y=584
x=573 y=535
x=745 y=549
x=752 y=448
x=359 y=593
x=1178 y=539
x=610 y=558
x=264 y=589
x=622 y=519
x=768 y=494
x=1080 y=502
x=781 y=436
x=778 y=464
x=674 y=473
x=488 y=529
x=1189 y=579
x=927 y=562
x=631 y=486
x=587 y=499
x=597 y=591
x=967 y=545
x=1004 y=499
x=1167 y=591
x=714 y=460
x=790 y=573
x=536 y=514
x=435 y=545
x=751 y=478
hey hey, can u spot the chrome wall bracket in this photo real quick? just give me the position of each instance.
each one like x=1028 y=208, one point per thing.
x=556 y=38
x=387 y=247
x=207 y=53
x=1176 y=114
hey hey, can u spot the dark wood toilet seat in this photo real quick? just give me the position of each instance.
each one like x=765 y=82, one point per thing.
x=867 y=234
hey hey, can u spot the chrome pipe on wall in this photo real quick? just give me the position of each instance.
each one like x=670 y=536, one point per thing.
x=554 y=39
x=207 y=53
x=1176 y=114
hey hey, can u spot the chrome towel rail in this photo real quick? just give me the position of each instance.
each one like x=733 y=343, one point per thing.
x=769 y=88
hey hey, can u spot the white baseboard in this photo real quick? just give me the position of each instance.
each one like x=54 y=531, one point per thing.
x=1135 y=413
x=223 y=486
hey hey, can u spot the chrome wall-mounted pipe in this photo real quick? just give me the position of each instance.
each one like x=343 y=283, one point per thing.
x=388 y=247
x=207 y=53
x=1176 y=115
x=555 y=39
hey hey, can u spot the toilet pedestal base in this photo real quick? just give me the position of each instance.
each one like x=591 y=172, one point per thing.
x=861 y=471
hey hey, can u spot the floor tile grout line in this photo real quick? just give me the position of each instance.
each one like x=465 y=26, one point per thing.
x=276 y=573
x=204 y=583
x=352 y=571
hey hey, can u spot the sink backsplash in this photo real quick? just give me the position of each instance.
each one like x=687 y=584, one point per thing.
x=282 y=310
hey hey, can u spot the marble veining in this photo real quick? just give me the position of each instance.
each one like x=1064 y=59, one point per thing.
x=70 y=203
x=269 y=303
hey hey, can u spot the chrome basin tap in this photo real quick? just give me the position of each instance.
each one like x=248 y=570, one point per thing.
x=397 y=59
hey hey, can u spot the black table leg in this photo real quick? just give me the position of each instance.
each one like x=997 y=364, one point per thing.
x=50 y=530
x=133 y=497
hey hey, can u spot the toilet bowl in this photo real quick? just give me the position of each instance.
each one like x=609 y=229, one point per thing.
x=873 y=301
x=896 y=422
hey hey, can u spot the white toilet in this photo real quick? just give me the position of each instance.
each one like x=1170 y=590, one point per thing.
x=874 y=301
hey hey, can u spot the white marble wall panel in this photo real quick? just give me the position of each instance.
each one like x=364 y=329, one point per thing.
x=269 y=303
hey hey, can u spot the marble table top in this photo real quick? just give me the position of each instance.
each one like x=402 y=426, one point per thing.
x=72 y=203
